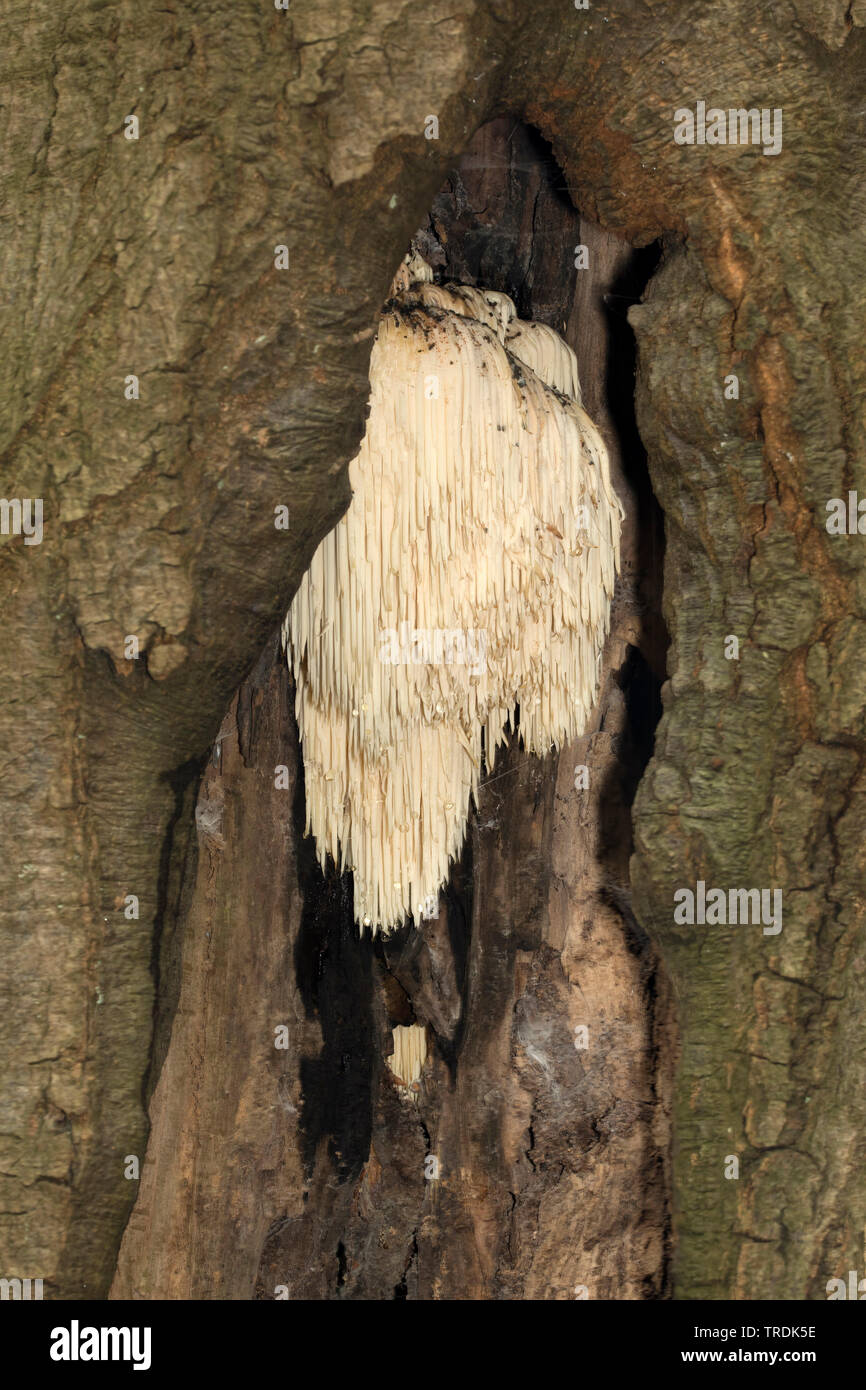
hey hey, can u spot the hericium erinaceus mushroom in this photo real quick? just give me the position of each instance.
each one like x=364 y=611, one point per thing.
x=472 y=573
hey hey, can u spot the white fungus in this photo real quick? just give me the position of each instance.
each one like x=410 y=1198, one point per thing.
x=473 y=572
x=409 y=1055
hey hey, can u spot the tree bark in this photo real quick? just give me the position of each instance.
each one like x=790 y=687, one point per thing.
x=155 y=257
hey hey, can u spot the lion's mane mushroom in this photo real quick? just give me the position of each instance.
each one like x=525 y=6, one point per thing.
x=472 y=573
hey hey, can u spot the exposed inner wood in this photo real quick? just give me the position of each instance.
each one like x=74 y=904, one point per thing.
x=544 y=1097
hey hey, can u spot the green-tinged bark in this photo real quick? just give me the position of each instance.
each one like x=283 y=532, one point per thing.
x=155 y=257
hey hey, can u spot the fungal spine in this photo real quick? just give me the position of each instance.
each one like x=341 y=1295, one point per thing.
x=472 y=573
x=410 y=1053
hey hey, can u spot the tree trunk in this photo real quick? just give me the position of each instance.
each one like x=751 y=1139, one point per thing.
x=529 y=1133
x=155 y=257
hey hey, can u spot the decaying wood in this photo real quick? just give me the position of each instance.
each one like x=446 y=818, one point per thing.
x=543 y=1109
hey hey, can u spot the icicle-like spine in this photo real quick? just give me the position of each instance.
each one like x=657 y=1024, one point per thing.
x=410 y=1053
x=473 y=571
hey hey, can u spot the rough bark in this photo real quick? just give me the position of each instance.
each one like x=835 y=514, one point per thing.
x=156 y=257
